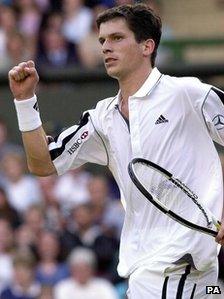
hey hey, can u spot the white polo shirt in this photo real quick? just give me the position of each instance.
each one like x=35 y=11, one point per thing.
x=182 y=144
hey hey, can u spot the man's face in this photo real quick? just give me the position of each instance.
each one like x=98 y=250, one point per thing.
x=121 y=53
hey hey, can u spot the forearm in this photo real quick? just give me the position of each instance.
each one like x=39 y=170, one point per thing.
x=23 y=79
x=36 y=148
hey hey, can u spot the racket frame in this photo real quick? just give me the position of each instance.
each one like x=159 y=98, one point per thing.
x=157 y=203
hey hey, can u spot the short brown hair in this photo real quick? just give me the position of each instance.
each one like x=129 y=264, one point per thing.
x=141 y=20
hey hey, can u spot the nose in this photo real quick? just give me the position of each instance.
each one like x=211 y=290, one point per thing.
x=106 y=47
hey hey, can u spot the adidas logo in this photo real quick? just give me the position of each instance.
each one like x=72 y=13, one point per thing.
x=161 y=120
x=35 y=106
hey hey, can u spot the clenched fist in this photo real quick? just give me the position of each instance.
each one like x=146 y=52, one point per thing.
x=23 y=80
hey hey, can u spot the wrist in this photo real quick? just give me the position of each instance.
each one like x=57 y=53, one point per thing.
x=28 y=114
x=22 y=97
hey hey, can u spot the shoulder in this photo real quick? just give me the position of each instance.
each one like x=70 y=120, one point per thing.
x=105 y=104
x=190 y=86
x=102 y=107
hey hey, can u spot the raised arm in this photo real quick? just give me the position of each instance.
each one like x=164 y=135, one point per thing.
x=23 y=80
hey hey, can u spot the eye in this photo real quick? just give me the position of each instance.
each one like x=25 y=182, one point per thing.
x=118 y=38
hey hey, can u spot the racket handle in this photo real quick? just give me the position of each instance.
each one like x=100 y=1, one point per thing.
x=217 y=223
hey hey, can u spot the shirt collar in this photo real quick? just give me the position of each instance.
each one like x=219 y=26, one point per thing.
x=152 y=80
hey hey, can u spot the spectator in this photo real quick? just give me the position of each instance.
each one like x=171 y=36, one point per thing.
x=83 y=283
x=81 y=231
x=28 y=234
x=6 y=253
x=89 y=47
x=72 y=188
x=49 y=270
x=34 y=219
x=84 y=227
x=22 y=189
x=8 y=24
x=29 y=18
x=5 y=145
x=23 y=286
x=106 y=247
x=56 y=52
x=164 y=54
x=109 y=215
x=17 y=50
x=84 y=232
x=106 y=212
x=78 y=16
x=25 y=240
x=8 y=212
x=52 y=20
x=53 y=215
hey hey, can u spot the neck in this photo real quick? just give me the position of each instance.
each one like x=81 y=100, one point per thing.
x=133 y=82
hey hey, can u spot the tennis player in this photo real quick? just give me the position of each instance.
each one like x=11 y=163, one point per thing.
x=170 y=121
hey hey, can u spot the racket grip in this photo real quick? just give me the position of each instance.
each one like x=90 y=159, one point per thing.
x=217 y=223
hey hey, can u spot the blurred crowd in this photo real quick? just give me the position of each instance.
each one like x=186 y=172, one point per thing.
x=59 y=236
x=55 y=33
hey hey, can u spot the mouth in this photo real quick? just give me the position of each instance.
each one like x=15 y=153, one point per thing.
x=109 y=60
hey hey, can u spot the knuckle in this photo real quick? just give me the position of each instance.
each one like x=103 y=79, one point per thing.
x=22 y=64
x=16 y=68
x=13 y=73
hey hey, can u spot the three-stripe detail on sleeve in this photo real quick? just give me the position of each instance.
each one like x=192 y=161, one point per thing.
x=54 y=153
x=219 y=93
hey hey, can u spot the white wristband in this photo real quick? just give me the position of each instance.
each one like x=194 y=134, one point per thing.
x=28 y=114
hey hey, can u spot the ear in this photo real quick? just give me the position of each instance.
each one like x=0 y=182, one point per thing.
x=148 y=47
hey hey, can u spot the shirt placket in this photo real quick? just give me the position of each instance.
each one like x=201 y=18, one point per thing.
x=134 y=128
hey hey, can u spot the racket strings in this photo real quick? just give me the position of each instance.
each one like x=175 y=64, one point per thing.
x=173 y=193
x=160 y=190
x=193 y=197
x=172 y=197
x=157 y=185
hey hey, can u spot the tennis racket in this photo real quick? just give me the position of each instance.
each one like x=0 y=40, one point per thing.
x=172 y=197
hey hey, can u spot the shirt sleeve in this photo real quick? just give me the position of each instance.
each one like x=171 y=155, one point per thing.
x=208 y=103
x=213 y=114
x=78 y=145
